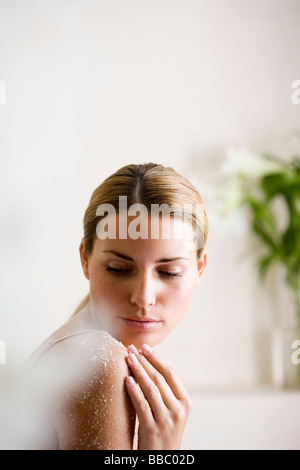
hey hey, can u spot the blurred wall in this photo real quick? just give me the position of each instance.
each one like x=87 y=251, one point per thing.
x=95 y=85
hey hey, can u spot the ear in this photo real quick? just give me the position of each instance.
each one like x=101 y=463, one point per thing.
x=84 y=258
x=201 y=264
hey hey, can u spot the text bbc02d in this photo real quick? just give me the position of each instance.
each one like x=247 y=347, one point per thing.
x=171 y=459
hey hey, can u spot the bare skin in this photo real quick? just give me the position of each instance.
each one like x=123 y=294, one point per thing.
x=163 y=406
x=92 y=403
x=81 y=380
x=143 y=288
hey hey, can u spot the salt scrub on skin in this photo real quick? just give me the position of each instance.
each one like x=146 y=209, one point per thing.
x=104 y=348
x=85 y=390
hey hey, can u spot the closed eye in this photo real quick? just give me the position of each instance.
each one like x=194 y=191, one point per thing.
x=124 y=271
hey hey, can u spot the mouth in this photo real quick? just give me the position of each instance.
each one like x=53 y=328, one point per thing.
x=141 y=324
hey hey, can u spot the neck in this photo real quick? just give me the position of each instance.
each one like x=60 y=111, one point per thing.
x=93 y=317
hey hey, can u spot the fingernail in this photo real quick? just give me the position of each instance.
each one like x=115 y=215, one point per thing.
x=130 y=380
x=147 y=349
x=133 y=359
x=133 y=349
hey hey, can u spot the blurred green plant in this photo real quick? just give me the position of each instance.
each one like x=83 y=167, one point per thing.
x=258 y=191
x=261 y=192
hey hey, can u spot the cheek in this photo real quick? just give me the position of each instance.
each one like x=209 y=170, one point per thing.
x=179 y=300
x=106 y=289
x=183 y=291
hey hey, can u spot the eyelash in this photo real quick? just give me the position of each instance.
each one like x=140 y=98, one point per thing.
x=124 y=271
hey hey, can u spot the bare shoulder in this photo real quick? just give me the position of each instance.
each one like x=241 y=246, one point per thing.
x=92 y=409
x=89 y=349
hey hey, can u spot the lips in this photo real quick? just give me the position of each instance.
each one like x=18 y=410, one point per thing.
x=144 y=319
x=141 y=324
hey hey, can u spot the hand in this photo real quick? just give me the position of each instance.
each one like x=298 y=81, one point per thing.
x=160 y=400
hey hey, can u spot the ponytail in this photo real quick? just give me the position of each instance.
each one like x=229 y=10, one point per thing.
x=82 y=304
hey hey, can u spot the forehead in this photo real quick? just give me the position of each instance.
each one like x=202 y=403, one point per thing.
x=152 y=235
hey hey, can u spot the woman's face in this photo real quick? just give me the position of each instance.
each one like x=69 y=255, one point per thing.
x=142 y=298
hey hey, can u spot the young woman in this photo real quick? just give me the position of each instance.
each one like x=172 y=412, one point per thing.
x=102 y=384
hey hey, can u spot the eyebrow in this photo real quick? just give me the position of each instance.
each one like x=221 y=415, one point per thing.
x=163 y=260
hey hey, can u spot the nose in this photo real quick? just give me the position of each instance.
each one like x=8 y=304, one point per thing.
x=144 y=291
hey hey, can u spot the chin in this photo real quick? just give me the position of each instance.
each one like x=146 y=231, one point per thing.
x=138 y=339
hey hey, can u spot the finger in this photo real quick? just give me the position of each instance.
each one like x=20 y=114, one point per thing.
x=168 y=371
x=166 y=392
x=139 y=402
x=148 y=387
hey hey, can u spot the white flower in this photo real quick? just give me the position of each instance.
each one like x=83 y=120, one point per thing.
x=241 y=160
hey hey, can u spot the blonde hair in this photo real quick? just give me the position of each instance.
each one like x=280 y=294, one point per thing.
x=147 y=183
